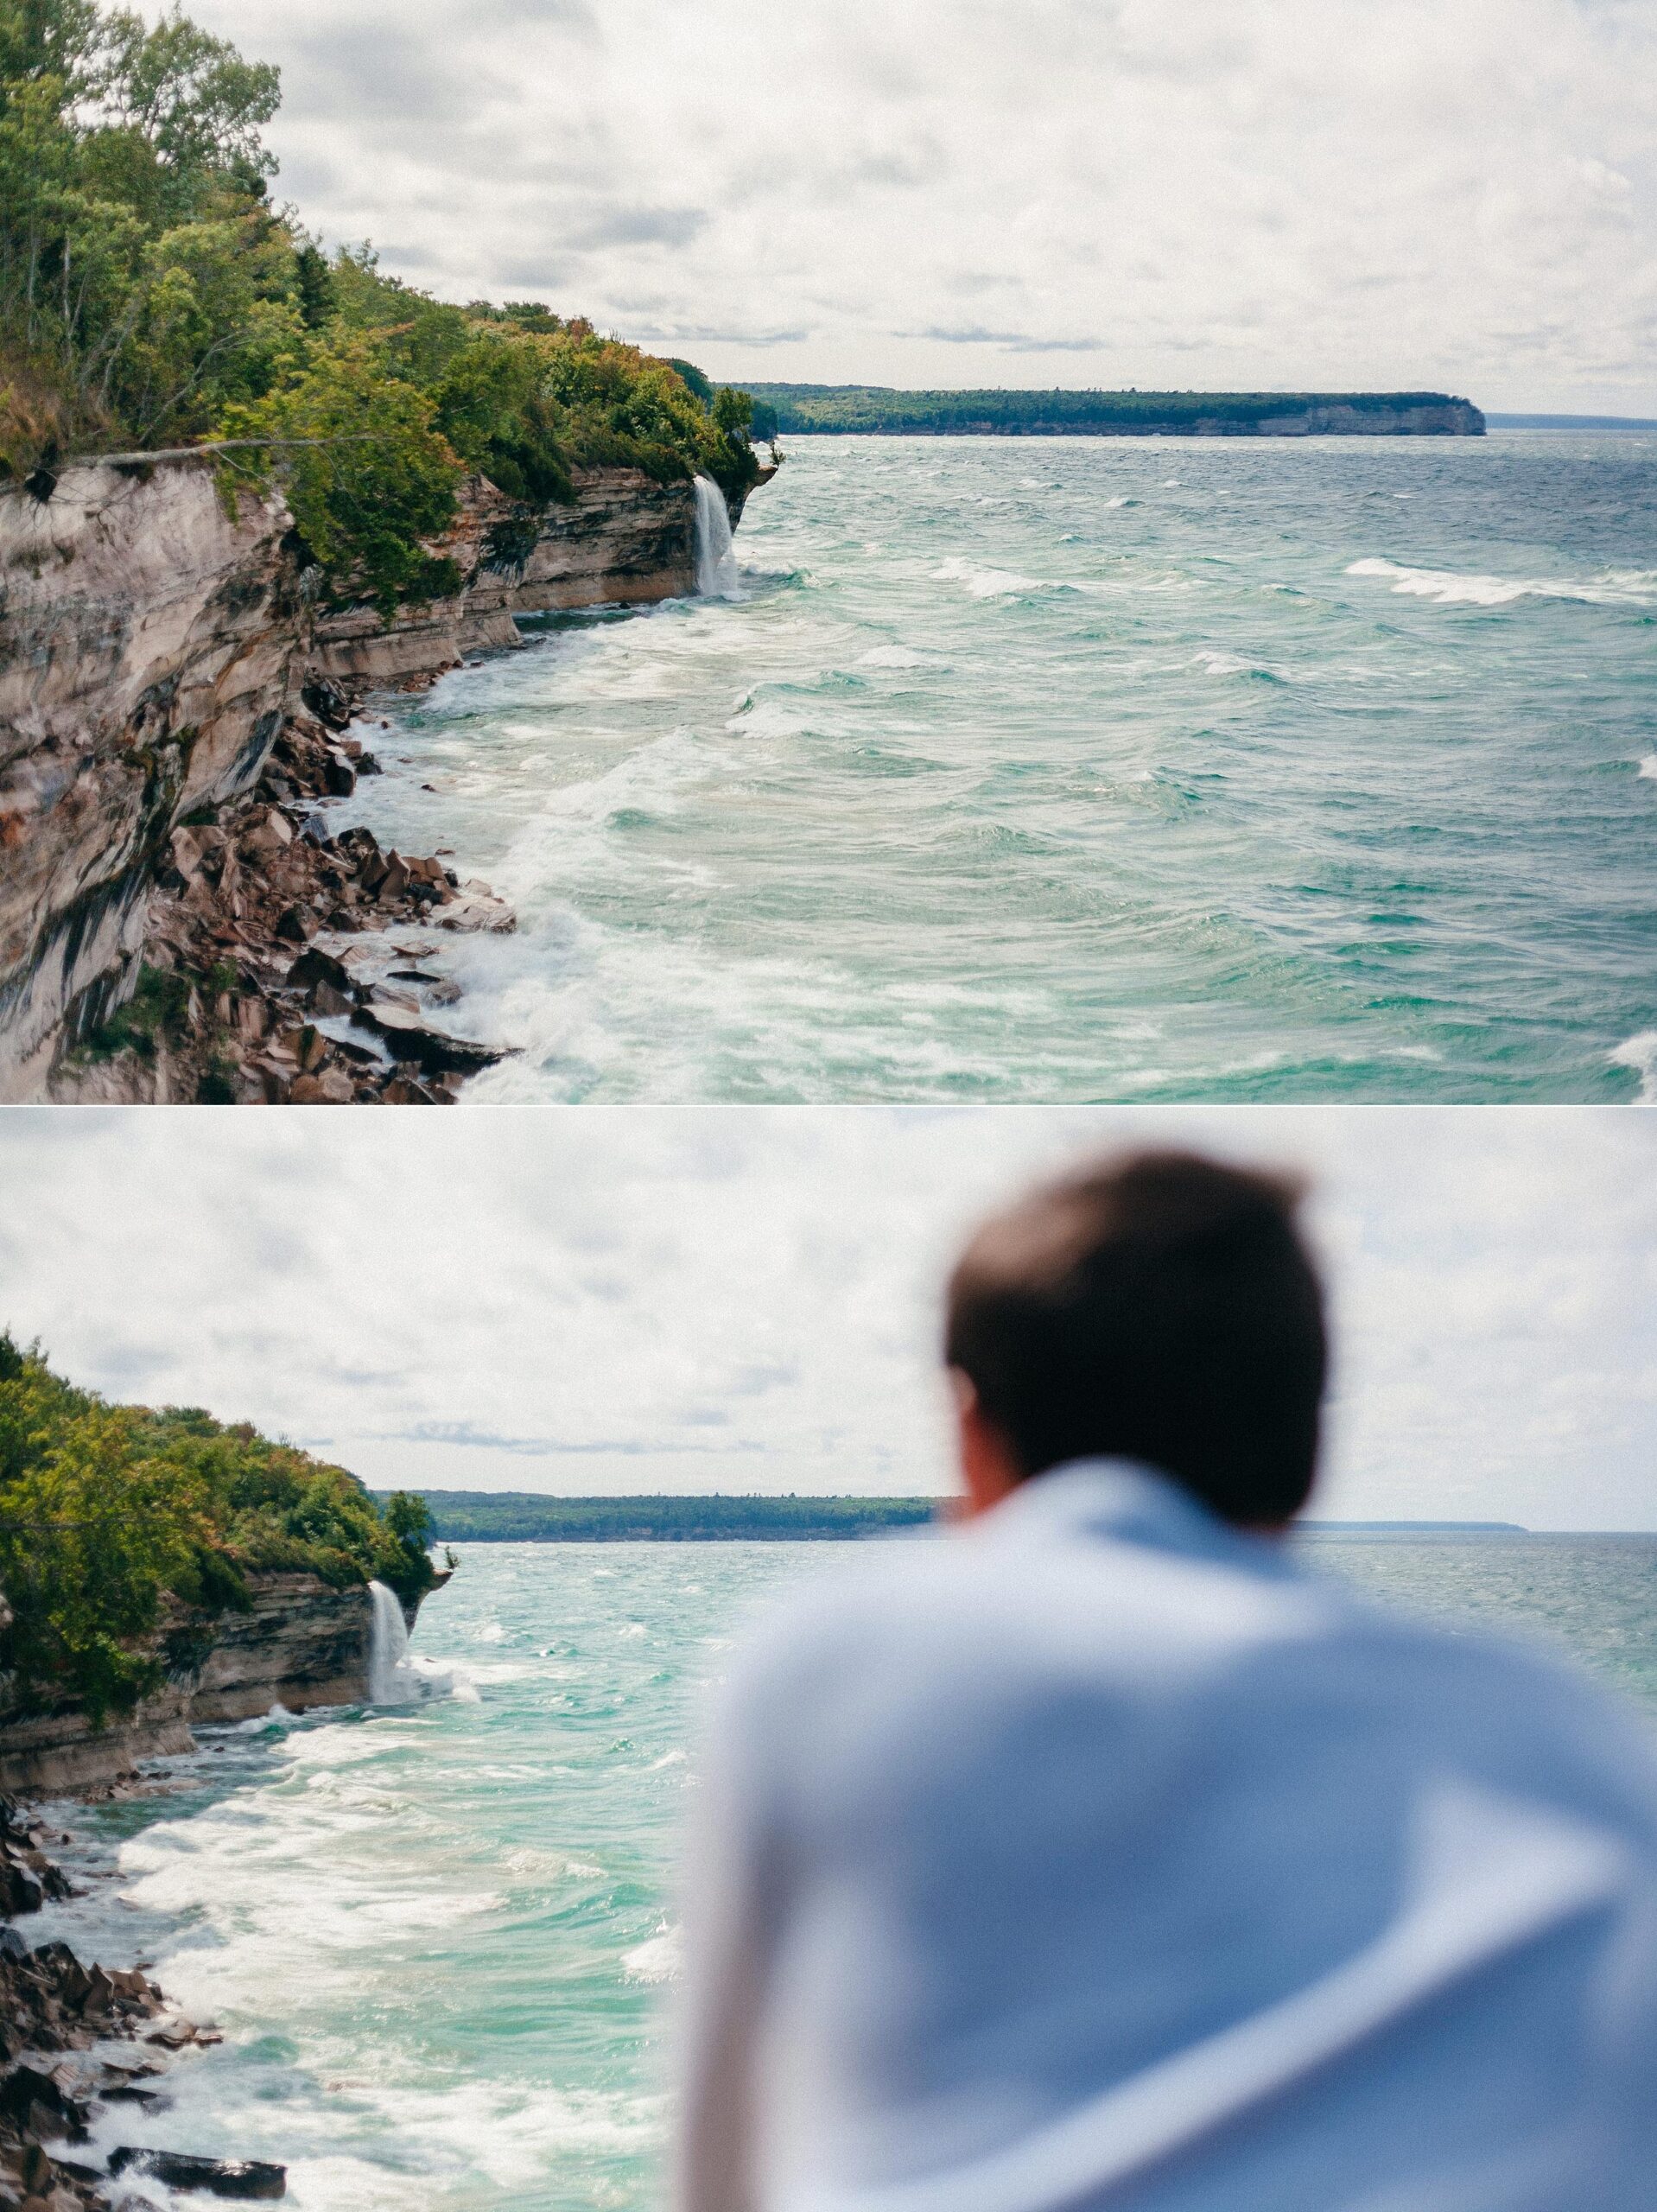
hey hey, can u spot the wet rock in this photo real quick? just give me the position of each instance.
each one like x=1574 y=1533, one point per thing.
x=410 y=1034
x=477 y=907
x=334 y=1087
x=38 y=2104
x=238 y=2178
x=327 y=702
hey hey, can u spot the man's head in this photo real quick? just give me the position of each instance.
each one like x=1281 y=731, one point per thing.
x=1158 y=1307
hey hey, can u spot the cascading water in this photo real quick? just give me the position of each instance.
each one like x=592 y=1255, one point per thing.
x=716 y=555
x=392 y=1680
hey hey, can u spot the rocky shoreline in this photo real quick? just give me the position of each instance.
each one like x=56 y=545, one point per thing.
x=62 y=2029
x=282 y=964
x=175 y=706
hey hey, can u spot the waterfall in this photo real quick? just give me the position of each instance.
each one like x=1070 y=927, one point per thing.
x=715 y=557
x=392 y=1680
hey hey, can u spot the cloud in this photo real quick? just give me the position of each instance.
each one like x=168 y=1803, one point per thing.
x=1297 y=192
x=604 y=1300
x=1011 y=342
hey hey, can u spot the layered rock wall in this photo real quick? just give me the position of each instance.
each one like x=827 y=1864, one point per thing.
x=153 y=642
x=625 y=541
x=302 y=1644
x=148 y=644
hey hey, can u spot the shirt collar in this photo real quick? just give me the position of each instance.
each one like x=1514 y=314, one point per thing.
x=1123 y=1501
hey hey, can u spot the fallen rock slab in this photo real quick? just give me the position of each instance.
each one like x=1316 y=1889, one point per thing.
x=412 y=1037
x=475 y=906
x=242 y=2177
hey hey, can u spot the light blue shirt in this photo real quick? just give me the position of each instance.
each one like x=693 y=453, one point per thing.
x=1097 y=1855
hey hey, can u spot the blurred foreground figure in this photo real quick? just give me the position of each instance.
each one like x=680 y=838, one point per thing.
x=1098 y=1854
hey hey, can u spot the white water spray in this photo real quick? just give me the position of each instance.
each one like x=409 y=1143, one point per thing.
x=392 y=1680
x=715 y=556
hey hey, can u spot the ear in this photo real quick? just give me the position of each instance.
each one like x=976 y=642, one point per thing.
x=988 y=1471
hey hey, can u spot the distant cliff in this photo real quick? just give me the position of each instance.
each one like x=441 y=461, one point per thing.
x=153 y=647
x=870 y=409
x=522 y=1516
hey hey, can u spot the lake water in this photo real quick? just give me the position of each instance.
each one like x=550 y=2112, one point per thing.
x=1084 y=769
x=438 y=1938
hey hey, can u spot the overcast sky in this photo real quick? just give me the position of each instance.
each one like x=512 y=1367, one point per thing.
x=1456 y=193
x=640 y=1298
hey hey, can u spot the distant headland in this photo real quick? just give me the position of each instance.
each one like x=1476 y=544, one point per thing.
x=871 y=409
x=530 y=1517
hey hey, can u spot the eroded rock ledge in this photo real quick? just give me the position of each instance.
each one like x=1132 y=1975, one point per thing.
x=300 y=1644
x=154 y=645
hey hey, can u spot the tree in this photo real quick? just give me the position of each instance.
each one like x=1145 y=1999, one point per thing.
x=89 y=1539
x=368 y=478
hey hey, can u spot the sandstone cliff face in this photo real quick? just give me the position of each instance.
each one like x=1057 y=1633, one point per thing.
x=147 y=642
x=625 y=540
x=1455 y=419
x=302 y=1644
x=151 y=649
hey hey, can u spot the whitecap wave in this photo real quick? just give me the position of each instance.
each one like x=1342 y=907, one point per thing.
x=985 y=583
x=1638 y=1053
x=658 y=1958
x=1615 y=588
x=1648 y=768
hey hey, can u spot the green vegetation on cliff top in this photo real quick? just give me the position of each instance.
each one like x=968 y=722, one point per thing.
x=151 y=296
x=849 y=409
x=117 y=1521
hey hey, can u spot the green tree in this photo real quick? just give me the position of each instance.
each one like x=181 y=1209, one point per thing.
x=90 y=1537
x=368 y=476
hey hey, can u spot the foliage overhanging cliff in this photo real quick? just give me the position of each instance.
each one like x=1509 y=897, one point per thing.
x=107 y=1513
x=151 y=296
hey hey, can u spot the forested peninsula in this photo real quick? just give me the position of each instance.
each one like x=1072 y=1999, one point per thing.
x=525 y=1516
x=850 y=409
x=245 y=481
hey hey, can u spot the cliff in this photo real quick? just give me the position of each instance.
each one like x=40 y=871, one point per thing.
x=303 y=1644
x=153 y=647
x=148 y=644
x=625 y=541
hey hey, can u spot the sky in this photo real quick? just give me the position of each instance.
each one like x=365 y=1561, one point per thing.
x=1454 y=194
x=598 y=1300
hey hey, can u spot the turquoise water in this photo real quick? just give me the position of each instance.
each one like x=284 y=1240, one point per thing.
x=438 y=1937
x=1078 y=769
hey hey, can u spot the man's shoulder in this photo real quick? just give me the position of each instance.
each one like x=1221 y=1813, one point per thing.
x=966 y=1617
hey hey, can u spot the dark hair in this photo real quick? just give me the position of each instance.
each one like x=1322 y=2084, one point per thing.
x=1158 y=1307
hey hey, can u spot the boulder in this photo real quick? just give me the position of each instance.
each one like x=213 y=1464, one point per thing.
x=36 y=2102
x=315 y=966
x=332 y=1087
x=410 y=1036
x=331 y=706
x=242 y=2177
x=476 y=907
